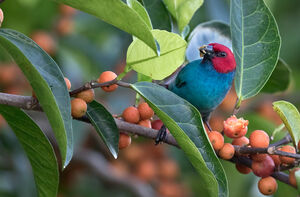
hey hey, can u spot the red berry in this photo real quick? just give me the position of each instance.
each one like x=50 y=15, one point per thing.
x=216 y=139
x=267 y=185
x=276 y=160
x=259 y=139
x=235 y=128
x=242 y=168
x=258 y=157
x=157 y=124
x=263 y=168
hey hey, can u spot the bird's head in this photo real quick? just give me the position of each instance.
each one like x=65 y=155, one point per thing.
x=221 y=57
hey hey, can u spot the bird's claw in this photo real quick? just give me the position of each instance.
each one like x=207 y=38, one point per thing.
x=161 y=135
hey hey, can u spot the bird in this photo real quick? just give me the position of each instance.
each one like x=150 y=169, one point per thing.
x=204 y=82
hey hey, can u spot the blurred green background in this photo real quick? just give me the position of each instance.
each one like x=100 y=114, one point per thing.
x=84 y=47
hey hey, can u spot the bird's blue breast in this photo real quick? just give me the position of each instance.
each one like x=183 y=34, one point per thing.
x=200 y=84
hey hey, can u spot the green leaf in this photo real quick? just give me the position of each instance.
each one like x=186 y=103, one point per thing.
x=183 y=10
x=280 y=78
x=297 y=175
x=255 y=42
x=205 y=33
x=143 y=60
x=105 y=126
x=37 y=148
x=138 y=7
x=278 y=132
x=290 y=117
x=160 y=17
x=117 y=13
x=48 y=84
x=185 y=124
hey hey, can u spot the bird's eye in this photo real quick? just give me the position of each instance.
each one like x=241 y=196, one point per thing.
x=221 y=54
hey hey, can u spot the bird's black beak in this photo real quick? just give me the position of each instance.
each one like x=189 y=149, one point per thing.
x=207 y=51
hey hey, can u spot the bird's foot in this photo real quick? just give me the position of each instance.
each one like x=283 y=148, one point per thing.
x=161 y=135
x=208 y=125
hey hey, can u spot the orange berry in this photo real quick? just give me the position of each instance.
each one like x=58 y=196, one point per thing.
x=259 y=139
x=171 y=189
x=276 y=160
x=78 y=108
x=242 y=141
x=105 y=77
x=45 y=41
x=258 y=157
x=242 y=168
x=131 y=114
x=168 y=169
x=289 y=149
x=65 y=26
x=145 y=123
x=87 y=95
x=146 y=170
x=67 y=10
x=124 y=140
x=227 y=151
x=216 y=139
x=68 y=83
x=1 y=16
x=267 y=185
x=235 y=128
x=292 y=177
x=145 y=111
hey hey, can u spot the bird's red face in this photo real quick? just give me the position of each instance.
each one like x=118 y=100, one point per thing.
x=221 y=57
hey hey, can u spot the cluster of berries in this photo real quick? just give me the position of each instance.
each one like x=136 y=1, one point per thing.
x=140 y=115
x=263 y=165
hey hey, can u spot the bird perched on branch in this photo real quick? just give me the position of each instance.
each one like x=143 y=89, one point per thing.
x=206 y=81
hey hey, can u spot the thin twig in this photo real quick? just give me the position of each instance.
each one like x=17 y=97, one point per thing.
x=95 y=84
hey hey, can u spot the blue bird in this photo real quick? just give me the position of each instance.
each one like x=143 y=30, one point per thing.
x=206 y=81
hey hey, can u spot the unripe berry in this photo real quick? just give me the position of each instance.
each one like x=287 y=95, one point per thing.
x=131 y=114
x=1 y=16
x=242 y=168
x=267 y=185
x=145 y=111
x=68 y=83
x=87 y=95
x=235 y=128
x=216 y=139
x=292 y=177
x=145 y=123
x=259 y=139
x=276 y=160
x=289 y=149
x=78 y=108
x=227 y=151
x=258 y=157
x=105 y=77
x=263 y=168
x=242 y=141
x=124 y=140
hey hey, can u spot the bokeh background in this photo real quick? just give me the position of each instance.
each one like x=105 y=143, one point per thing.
x=83 y=47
